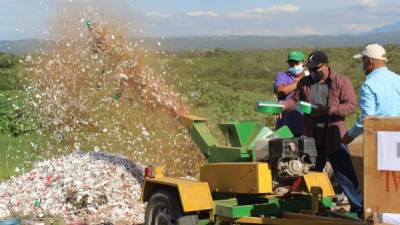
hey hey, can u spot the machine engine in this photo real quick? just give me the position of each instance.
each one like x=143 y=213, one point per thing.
x=288 y=158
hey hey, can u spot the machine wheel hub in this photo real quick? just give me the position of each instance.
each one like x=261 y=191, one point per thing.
x=163 y=216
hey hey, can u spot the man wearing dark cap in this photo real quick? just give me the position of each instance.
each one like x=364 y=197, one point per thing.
x=334 y=96
x=284 y=85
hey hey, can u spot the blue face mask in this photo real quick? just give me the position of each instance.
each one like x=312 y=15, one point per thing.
x=296 y=69
x=362 y=67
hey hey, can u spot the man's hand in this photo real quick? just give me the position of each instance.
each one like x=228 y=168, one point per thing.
x=347 y=139
x=297 y=79
x=320 y=110
x=279 y=115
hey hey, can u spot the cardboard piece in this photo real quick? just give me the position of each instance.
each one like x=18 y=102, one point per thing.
x=356 y=148
x=381 y=188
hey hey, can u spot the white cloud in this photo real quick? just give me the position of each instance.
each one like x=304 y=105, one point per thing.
x=348 y=17
x=368 y=3
x=258 y=12
x=275 y=8
x=244 y=15
x=158 y=14
x=199 y=13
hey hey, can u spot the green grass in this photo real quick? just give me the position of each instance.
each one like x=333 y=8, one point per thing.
x=14 y=119
x=19 y=152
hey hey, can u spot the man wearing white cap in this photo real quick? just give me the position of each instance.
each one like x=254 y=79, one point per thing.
x=380 y=93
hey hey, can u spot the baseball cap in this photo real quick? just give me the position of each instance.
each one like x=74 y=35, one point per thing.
x=316 y=58
x=296 y=56
x=373 y=51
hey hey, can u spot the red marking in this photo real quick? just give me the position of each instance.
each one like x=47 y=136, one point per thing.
x=387 y=182
x=396 y=180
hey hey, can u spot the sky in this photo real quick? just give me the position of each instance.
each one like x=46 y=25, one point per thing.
x=23 y=19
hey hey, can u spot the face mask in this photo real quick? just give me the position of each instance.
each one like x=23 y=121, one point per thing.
x=296 y=69
x=362 y=67
x=317 y=75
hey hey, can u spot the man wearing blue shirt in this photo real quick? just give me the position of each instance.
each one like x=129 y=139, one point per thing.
x=380 y=93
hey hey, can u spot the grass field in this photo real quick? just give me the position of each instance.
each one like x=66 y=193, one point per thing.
x=220 y=85
x=17 y=153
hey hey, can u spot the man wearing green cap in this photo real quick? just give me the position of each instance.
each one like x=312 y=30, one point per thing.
x=284 y=85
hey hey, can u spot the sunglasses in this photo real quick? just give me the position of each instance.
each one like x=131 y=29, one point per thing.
x=316 y=68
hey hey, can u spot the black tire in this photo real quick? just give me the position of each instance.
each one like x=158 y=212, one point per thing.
x=163 y=209
x=188 y=220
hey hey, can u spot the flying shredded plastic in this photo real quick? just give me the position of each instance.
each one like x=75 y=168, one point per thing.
x=95 y=88
x=91 y=90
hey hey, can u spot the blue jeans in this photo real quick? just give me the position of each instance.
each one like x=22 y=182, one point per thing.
x=345 y=175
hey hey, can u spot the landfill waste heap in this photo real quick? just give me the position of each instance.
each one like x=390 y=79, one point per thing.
x=95 y=186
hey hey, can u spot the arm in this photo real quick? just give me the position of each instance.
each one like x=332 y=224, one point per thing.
x=347 y=101
x=280 y=80
x=368 y=107
x=282 y=86
x=290 y=104
x=286 y=89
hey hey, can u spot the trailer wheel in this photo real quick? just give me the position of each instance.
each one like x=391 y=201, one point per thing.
x=164 y=209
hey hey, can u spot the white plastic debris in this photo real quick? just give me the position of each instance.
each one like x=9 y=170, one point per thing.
x=94 y=186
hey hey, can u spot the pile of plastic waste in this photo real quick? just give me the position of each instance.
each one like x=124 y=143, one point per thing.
x=94 y=186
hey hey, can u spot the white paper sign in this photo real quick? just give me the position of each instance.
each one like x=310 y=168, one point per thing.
x=391 y=218
x=388 y=150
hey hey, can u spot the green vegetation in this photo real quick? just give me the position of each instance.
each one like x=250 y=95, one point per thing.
x=10 y=72
x=220 y=85
x=18 y=144
x=12 y=120
x=18 y=153
x=224 y=85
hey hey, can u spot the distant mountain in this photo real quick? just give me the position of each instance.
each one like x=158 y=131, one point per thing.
x=264 y=42
x=23 y=46
x=231 y=42
x=391 y=28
